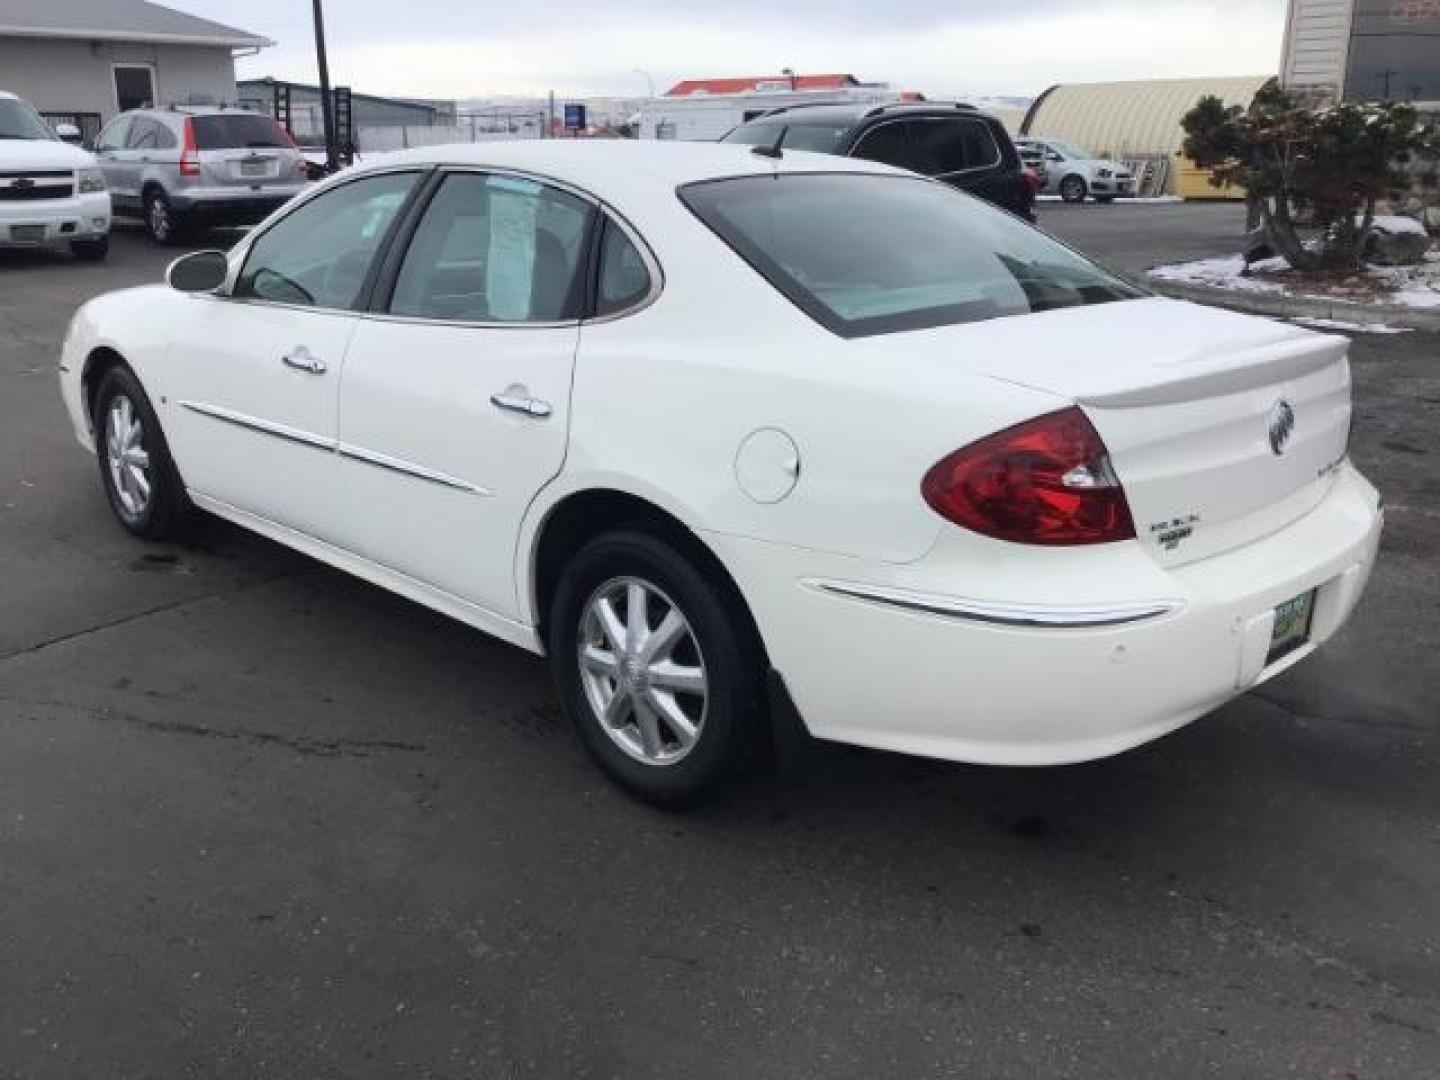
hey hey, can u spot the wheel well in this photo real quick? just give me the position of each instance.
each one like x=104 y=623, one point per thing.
x=149 y=186
x=97 y=365
x=1075 y=176
x=582 y=516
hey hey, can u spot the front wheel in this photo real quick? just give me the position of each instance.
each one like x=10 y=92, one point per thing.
x=658 y=666
x=139 y=477
x=1073 y=189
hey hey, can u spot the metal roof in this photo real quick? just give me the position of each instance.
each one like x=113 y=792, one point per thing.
x=1120 y=118
x=118 y=20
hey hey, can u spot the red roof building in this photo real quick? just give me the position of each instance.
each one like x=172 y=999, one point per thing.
x=750 y=84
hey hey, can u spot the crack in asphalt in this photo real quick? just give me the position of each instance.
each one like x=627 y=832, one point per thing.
x=136 y=616
x=299 y=744
x=1291 y=709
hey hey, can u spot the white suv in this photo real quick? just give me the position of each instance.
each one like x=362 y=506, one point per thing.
x=51 y=194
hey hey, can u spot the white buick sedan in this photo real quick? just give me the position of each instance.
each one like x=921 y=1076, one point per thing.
x=722 y=431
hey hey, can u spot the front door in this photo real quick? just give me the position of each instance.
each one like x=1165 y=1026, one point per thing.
x=252 y=409
x=454 y=406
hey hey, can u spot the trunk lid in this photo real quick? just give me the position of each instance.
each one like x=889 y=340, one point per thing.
x=1222 y=427
x=244 y=149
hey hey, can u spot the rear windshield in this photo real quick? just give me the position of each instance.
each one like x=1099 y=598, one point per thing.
x=868 y=254
x=821 y=138
x=236 y=131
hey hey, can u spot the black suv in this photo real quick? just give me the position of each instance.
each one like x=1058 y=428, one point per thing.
x=957 y=144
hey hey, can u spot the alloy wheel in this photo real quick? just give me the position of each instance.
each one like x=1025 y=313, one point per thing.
x=159 y=219
x=126 y=457
x=642 y=671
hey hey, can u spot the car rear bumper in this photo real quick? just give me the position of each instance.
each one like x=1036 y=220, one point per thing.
x=55 y=221
x=233 y=206
x=901 y=658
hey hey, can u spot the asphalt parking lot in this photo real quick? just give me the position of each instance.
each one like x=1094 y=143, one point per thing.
x=258 y=819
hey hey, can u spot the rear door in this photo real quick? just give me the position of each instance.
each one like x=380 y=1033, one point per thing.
x=964 y=152
x=242 y=149
x=454 y=406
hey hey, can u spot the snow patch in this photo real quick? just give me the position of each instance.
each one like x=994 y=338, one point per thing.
x=1400 y=286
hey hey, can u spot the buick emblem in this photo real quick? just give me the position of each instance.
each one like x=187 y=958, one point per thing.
x=1282 y=425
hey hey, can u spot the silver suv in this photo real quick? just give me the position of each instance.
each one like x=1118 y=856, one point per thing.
x=189 y=167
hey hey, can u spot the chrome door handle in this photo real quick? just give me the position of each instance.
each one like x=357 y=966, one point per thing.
x=517 y=399
x=302 y=359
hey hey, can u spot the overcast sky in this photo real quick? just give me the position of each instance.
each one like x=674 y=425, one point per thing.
x=446 y=48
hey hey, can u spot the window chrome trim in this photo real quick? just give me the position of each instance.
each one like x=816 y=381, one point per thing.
x=1050 y=618
x=333 y=446
x=647 y=254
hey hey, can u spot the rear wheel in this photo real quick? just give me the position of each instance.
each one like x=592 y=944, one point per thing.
x=136 y=470
x=91 y=250
x=657 y=665
x=1073 y=189
x=161 y=222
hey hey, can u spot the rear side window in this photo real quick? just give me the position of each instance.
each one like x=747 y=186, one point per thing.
x=867 y=254
x=887 y=144
x=624 y=277
x=755 y=134
x=236 y=131
x=944 y=146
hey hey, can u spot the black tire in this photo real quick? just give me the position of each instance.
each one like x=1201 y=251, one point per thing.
x=1073 y=189
x=722 y=640
x=165 y=505
x=162 y=224
x=91 y=250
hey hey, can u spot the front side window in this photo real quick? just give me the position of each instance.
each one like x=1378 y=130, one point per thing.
x=871 y=254
x=19 y=120
x=318 y=255
x=495 y=249
x=142 y=134
x=113 y=137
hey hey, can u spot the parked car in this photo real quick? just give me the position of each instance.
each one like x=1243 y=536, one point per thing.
x=956 y=144
x=1072 y=172
x=712 y=427
x=1033 y=158
x=178 y=169
x=51 y=194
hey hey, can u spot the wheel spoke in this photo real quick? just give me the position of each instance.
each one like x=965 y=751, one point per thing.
x=668 y=709
x=649 y=725
x=610 y=624
x=141 y=482
x=599 y=660
x=127 y=417
x=679 y=677
x=615 y=710
x=637 y=603
x=137 y=457
x=667 y=635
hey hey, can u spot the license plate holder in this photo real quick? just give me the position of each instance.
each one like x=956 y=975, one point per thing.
x=27 y=234
x=249 y=169
x=1291 y=628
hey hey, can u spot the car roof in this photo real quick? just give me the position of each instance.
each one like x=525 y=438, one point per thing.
x=622 y=168
x=854 y=112
x=9 y=96
x=192 y=110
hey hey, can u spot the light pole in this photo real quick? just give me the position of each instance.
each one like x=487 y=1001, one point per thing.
x=327 y=107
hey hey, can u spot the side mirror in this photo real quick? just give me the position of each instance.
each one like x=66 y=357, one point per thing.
x=68 y=132
x=200 y=271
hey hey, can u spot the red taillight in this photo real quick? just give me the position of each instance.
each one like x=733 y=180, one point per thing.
x=189 y=157
x=1046 y=481
x=1033 y=179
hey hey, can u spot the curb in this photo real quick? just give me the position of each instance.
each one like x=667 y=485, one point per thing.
x=1306 y=307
